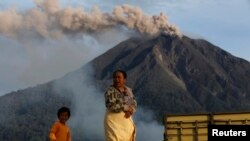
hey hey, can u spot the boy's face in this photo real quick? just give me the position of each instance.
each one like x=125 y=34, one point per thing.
x=63 y=117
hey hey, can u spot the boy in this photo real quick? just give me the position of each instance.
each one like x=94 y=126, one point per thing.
x=59 y=130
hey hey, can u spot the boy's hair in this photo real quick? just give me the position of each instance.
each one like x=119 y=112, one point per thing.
x=63 y=109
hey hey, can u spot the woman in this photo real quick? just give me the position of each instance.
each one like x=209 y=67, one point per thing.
x=120 y=105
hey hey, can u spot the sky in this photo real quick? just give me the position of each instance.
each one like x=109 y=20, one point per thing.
x=26 y=60
x=42 y=42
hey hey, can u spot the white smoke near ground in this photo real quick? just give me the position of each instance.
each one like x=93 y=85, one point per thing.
x=88 y=103
x=89 y=109
x=147 y=128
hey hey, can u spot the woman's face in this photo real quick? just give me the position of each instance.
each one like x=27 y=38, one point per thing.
x=118 y=79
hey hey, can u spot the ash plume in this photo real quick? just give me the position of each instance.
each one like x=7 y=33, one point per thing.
x=49 y=20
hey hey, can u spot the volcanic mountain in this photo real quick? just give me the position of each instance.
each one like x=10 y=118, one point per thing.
x=173 y=75
x=168 y=75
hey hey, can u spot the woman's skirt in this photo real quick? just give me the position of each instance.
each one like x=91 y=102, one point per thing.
x=119 y=128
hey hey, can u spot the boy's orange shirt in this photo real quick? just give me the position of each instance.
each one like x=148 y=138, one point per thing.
x=59 y=132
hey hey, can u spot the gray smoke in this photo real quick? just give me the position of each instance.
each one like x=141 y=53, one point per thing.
x=48 y=20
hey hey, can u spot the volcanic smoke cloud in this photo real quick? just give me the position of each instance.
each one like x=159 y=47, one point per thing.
x=50 y=21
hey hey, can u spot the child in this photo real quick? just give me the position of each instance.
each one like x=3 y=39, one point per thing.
x=60 y=131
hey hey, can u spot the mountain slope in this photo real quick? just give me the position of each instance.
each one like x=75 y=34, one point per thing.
x=180 y=75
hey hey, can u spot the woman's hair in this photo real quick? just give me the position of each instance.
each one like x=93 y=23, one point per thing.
x=63 y=109
x=121 y=71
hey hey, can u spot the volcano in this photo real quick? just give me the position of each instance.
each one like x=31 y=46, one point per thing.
x=172 y=75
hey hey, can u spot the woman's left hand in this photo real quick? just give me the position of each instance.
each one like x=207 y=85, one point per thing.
x=128 y=114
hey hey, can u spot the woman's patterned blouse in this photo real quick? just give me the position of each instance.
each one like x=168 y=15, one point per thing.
x=117 y=101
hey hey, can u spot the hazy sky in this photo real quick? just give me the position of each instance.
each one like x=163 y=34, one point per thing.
x=26 y=60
